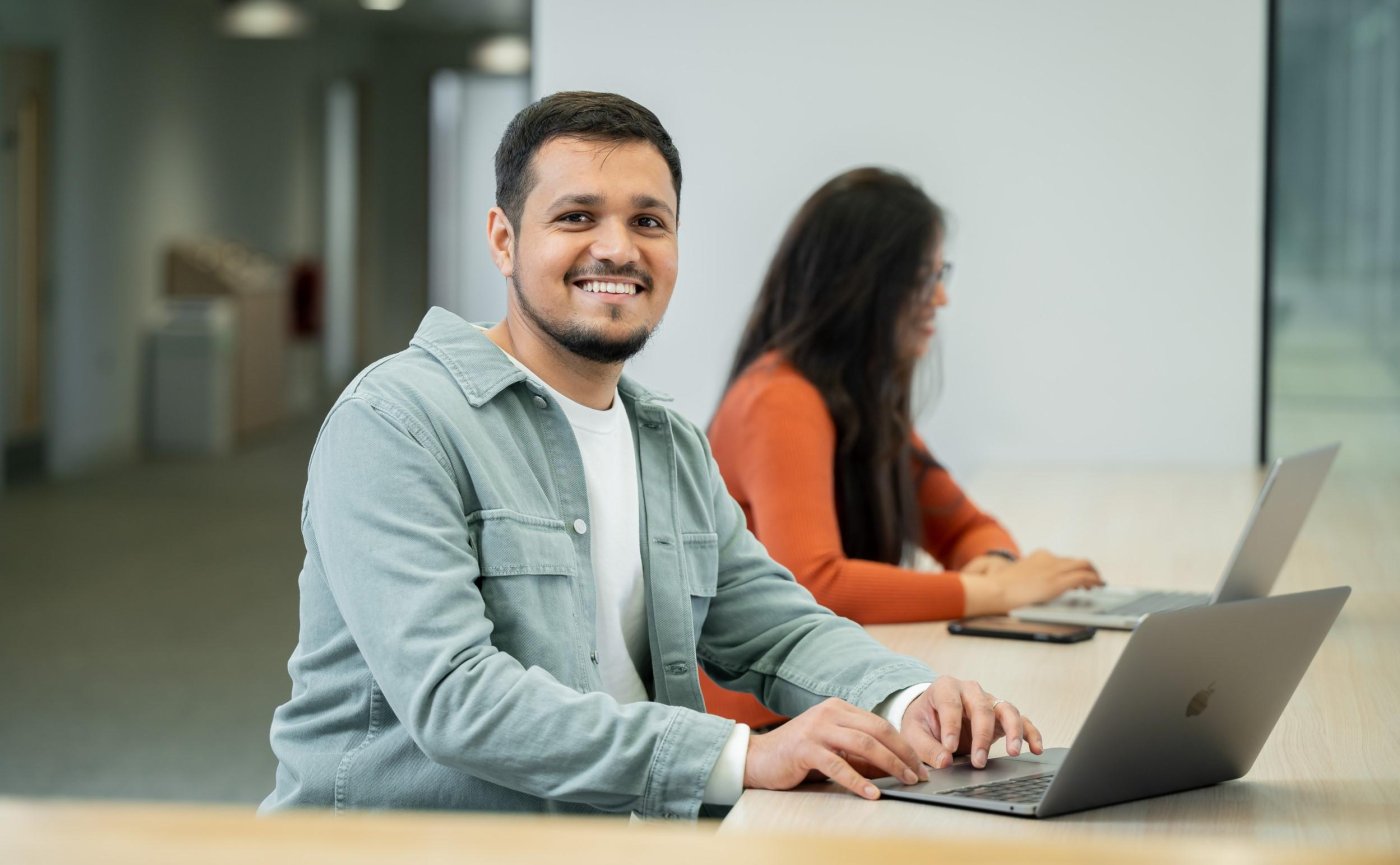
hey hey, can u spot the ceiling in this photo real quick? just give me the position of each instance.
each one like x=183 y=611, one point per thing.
x=438 y=16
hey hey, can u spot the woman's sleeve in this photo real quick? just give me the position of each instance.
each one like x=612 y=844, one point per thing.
x=778 y=456
x=955 y=530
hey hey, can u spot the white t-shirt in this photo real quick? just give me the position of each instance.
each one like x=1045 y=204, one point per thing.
x=610 y=474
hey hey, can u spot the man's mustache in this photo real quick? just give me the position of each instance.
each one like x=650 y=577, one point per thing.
x=626 y=271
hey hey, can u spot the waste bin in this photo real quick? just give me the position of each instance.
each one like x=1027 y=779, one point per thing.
x=192 y=377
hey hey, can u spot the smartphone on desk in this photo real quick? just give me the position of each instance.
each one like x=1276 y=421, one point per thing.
x=1015 y=629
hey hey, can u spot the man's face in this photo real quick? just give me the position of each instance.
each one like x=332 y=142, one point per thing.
x=593 y=261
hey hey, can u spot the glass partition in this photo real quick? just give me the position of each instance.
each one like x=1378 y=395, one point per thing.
x=1333 y=362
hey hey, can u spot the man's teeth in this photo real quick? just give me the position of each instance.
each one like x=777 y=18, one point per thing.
x=609 y=287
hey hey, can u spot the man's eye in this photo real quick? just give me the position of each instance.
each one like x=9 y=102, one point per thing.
x=649 y=222
x=574 y=217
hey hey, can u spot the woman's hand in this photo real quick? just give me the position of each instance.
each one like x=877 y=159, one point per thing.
x=988 y=564
x=1040 y=576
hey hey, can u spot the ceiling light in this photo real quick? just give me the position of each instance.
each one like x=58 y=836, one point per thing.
x=264 y=19
x=503 y=55
x=381 y=5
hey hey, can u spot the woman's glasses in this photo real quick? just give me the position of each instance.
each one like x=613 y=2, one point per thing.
x=941 y=276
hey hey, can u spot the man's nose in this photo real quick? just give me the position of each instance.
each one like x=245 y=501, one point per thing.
x=614 y=242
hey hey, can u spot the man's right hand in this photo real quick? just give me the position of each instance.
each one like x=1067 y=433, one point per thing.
x=824 y=741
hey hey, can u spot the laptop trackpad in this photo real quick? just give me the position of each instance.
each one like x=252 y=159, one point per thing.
x=963 y=774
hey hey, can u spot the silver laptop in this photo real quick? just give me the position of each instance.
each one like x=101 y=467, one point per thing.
x=1190 y=703
x=1279 y=512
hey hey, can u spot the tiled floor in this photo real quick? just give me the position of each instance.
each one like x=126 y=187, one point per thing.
x=146 y=620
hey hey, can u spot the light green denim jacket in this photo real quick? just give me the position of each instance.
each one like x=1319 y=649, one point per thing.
x=447 y=654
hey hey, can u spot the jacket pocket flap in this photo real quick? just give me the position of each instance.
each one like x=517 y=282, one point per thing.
x=701 y=562
x=510 y=543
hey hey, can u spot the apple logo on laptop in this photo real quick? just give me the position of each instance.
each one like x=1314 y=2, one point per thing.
x=1198 y=702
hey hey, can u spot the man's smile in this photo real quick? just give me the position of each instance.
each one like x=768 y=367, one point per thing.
x=613 y=287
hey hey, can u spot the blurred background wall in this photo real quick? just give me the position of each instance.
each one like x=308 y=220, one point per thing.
x=1103 y=162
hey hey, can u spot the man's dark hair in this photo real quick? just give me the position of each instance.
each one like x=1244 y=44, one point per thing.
x=602 y=117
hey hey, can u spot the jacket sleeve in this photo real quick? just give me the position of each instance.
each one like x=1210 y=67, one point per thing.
x=768 y=636
x=955 y=530
x=785 y=467
x=389 y=528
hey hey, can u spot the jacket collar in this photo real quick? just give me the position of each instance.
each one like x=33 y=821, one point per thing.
x=480 y=367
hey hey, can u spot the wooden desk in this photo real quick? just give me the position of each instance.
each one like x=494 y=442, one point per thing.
x=1330 y=773
x=68 y=834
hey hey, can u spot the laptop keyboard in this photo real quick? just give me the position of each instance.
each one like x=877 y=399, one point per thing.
x=1020 y=790
x=1158 y=602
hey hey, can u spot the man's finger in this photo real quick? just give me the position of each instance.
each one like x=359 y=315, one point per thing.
x=1011 y=725
x=947 y=702
x=1033 y=738
x=885 y=733
x=923 y=740
x=982 y=722
x=860 y=745
x=842 y=773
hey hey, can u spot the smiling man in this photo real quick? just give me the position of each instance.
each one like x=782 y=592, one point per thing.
x=517 y=558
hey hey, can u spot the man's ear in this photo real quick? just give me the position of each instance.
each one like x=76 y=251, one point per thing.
x=500 y=235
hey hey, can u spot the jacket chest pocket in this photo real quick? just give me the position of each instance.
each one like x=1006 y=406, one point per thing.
x=526 y=565
x=700 y=556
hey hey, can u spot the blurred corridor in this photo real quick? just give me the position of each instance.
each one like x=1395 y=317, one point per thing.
x=149 y=614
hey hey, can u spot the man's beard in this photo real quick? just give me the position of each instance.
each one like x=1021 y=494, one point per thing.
x=582 y=340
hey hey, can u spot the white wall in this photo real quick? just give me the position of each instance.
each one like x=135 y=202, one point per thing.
x=489 y=104
x=470 y=111
x=1102 y=160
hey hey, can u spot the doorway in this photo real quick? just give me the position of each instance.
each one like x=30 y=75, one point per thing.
x=26 y=99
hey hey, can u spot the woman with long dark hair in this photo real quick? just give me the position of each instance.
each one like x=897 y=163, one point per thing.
x=815 y=436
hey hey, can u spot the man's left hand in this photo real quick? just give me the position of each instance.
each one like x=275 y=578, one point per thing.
x=957 y=717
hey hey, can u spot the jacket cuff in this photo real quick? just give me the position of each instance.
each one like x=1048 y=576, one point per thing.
x=889 y=679
x=684 y=761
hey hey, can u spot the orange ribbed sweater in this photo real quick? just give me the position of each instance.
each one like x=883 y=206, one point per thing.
x=775 y=443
